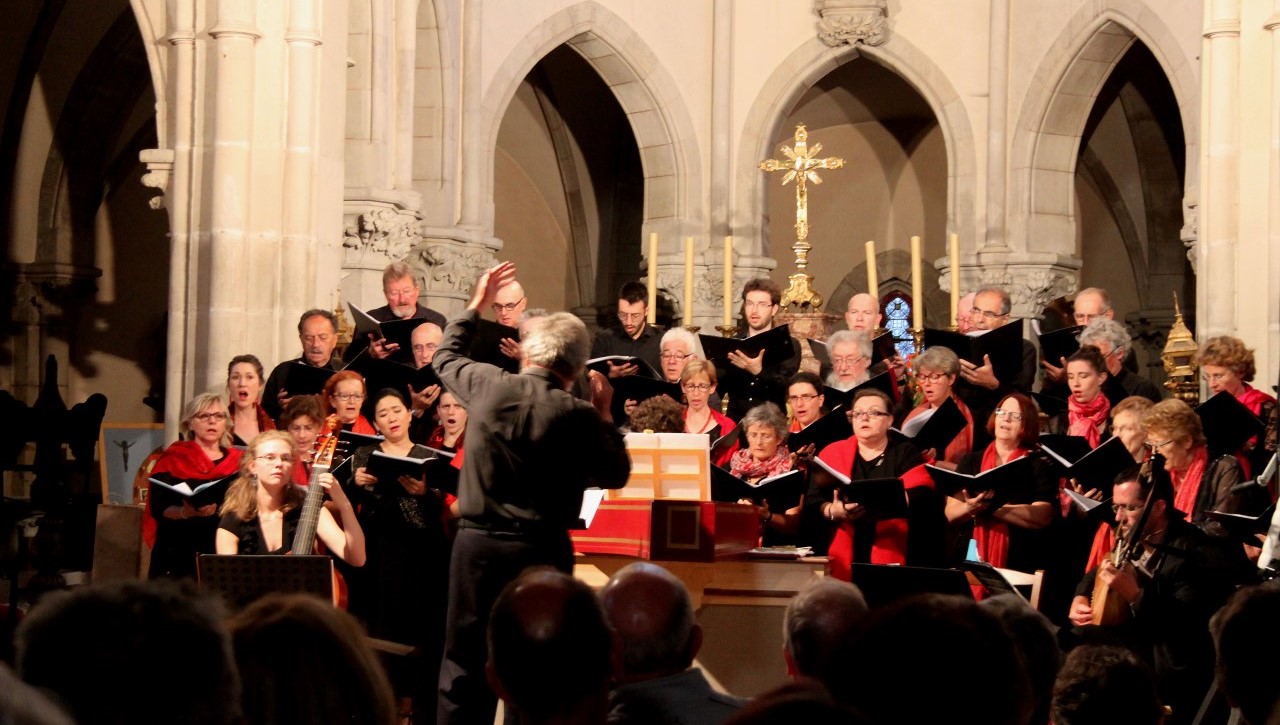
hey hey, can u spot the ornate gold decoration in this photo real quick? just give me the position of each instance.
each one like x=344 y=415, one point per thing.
x=1181 y=360
x=801 y=168
x=727 y=330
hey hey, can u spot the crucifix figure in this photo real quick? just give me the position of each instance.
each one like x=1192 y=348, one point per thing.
x=801 y=168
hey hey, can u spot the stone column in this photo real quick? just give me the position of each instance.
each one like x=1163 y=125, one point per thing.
x=997 y=122
x=1273 y=222
x=1219 y=173
x=298 y=238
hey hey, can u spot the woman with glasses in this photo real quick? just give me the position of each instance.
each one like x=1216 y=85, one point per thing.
x=262 y=508
x=870 y=454
x=1227 y=366
x=698 y=381
x=766 y=455
x=805 y=398
x=1009 y=535
x=203 y=453
x=343 y=395
x=936 y=370
x=244 y=385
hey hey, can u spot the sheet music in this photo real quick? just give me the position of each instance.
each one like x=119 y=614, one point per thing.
x=591 y=499
x=913 y=426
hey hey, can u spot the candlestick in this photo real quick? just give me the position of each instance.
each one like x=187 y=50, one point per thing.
x=955 y=280
x=873 y=284
x=688 y=281
x=728 y=281
x=917 y=286
x=653 y=278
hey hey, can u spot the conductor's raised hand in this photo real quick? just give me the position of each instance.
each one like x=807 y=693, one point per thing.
x=494 y=279
x=601 y=394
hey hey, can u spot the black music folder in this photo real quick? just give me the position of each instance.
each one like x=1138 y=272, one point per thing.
x=776 y=344
x=1096 y=511
x=1003 y=345
x=1244 y=529
x=1005 y=480
x=1058 y=345
x=396 y=331
x=485 y=345
x=782 y=491
x=723 y=444
x=380 y=374
x=832 y=427
x=880 y=377
x=884 y=498
x=1227 y=423
x=303 y=379
x=197 y=493
x=601 y=365
x=1097 y=468
x=934 y=428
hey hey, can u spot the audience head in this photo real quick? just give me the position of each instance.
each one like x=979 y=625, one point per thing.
x=400 y=287
x=1173 y=431
x=1086 y=373
x=205 y=420
x=301 y=660
x=22 y=704
x=1246 y=639
x=1110 y=339
x=964 y=313
x=1102 y=684
x=659 y=414
x=1092 y=303
x=424 y=340
x=1226 y=364
x=89 y=646
x=760 y=299
x=558 y=342
x=850 y=357
x=991 y=308
x=509 y=303
x=343 y=394
x=1016 y=421
x=528 y=316
x=805 y=395
x=863 y=312
x=244 y=380
x=678 y=347
x=799 y=701
x=318 y=332
x=936 y=370
x=698 y=382
x=1126 y=424
x=633 y=308
x=652 y=615
x=550 y=648
x=817 y=626
x=1037 y=646
x=303 y=418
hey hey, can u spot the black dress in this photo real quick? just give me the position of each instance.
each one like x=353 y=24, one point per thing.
x=1028 y=548
x=249 y=533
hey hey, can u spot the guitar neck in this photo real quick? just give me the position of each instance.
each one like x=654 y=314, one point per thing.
x=304 y=539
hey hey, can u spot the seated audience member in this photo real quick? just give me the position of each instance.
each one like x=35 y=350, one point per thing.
x=678 y=347
x=1126 y=424
x=400 y=288
x=318 y=333
x=343 y=396
x=1187 y=575
x=202 y=454
x=765 y=430
x=244 y=390
x=88 y=647
x=22 y=704
x=801 y=701
x=1247 y=640
x=804 y=395
x=1105 y=684
x=550 y=650
x=952 y=634
x=698 y=381
x=303 y=661
x=1116 y=347
x=1037 y=643
x=817 y=626
x=633 y=336
x=659 y=415
x=936 y=370
x=652 y=616
x=850 y=357
x=1227 y=365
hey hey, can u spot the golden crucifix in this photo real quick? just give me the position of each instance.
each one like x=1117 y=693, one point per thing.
x=801 y=169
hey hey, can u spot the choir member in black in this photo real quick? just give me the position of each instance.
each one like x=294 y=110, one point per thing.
x=203 y=453
x=318 y=333
x=632 y=336
x=262 y=509
x=678 y=347
x=750 y=381
x=1116 y=347
x=765 y=429
x=404 y=587
x=850 y=357
x=302 y=419
x=424 y=339
x=244 y=389
x=400 y=287
x=1012 y=535
x=870 y=454
x=343 y=396
x=978 y=386
x=1227 y=365
x=804 y=395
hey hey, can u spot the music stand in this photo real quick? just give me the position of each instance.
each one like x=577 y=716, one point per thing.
x=886 y=583
x=242 y=579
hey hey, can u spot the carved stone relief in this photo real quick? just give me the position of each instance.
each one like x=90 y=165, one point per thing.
x=849 y=22
x=375 y=237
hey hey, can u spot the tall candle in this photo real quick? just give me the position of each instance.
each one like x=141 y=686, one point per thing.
x=688 y=281
x=917 y=286
x=873 y=284
x=653 y=277
x=728 y=281
x=955 y=278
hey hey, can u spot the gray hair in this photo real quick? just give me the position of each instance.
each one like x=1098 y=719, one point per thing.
x=1106 y=330
x=398 y=270
x=818 y=620
x=558 y=342
x=766 y=414
x=691 y=341
x=858 y=337
x=938 y=359
x=1101 y=294
x=1006 y=304
x=198 y=404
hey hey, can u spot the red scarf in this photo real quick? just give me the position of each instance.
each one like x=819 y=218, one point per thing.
x=187 y=461
x=1253 y=399
x=992 y=536
x=1086 y=419
x=745 y=467
x=1186 y=485
x=362 y=426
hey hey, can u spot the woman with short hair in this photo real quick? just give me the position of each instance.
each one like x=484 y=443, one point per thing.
x=764 y=430
x=1228 y=366
x=343 y=395
x=936 y=370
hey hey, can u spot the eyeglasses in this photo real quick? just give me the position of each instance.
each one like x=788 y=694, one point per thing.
x=1083 y=319
x=1012 y=415
x=1216 y=377
x=802 y=397
x=757 y=305
x=628 y=316
x=868 y=414
x=272 y=459
x=209 y=417
x=696 y=387
x=674 y=356
x=1127 y=507
x=425 y=348
x=1157 y=445
x=930 y=377
x=348 y=397
x=845 y=360
x=976 y=311
x=508 y=307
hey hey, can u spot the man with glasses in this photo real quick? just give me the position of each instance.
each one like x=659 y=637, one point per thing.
x=750 y=381
x=1113 y=341
x=850 y=357
x=1180 y=578
x=978 y=386
x=1091 y=303
x=318 y=333
x=632 y=336
x=401 y=289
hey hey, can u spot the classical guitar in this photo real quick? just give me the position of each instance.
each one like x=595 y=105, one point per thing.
x=304 y=539
x=1108 y=608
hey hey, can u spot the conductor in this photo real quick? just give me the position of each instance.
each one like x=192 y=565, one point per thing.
x=532 y=448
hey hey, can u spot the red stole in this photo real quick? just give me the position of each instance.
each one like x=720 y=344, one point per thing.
x=1253 y=399
x=890 y=545
x=1186 y=485
x=1086 y=419
x=187 y=461
x=362 y=426
x=992 y=536
x=726 y=424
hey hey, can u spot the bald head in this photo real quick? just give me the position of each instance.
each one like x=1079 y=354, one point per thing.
x=818 y=623
x=509 y=304
x=424 y=340
x=863 y=312
x=650 y=611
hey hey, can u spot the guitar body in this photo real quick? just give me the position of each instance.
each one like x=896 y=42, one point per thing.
x=1108 y=609
x=304 y=539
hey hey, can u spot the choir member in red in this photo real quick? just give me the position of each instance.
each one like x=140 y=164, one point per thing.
x=870 y=453
x=698 y=381
x=302 y=420
x=244 y=388
x=936 y=370
x=203 y=453
x=343 y=394
x=1227 y=365
x=1087 y=407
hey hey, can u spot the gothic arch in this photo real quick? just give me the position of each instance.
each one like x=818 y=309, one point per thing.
x=648 y=95
x=807 y=65
x=1046 y=141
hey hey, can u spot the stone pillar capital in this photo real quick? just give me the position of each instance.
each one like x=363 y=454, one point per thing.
x=850 y=22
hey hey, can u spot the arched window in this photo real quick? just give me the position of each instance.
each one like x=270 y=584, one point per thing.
x=897 y=320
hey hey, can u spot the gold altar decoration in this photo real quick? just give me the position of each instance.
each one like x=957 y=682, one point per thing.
x=1181 y=360
x=801 y=167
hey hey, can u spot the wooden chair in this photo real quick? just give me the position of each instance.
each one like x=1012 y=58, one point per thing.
x=1023 y=579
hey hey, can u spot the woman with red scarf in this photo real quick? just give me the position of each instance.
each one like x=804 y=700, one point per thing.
x=203 y=454
x=1011 y=535
x=343 y=395
x=869 y=454
x=936 y=370
x=1087 y=407
x=1227 y=366
x=764 y=429
x=244 y=388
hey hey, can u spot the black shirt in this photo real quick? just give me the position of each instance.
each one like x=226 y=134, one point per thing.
x=276 y=380
x=384 y=314
x=252 y=542
x=615 y=341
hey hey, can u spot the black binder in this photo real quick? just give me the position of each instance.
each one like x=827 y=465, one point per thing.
x=1227 y=423
x=782 y=491
x=943 y=425
x=1003 y=345
x=775 y=342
